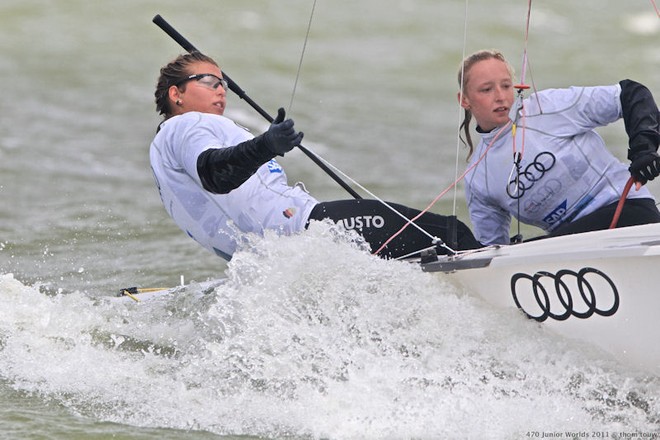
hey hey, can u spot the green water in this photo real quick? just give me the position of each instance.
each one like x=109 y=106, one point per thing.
x=376 y=97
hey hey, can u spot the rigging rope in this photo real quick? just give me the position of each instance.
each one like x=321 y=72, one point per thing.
x=513 y=125
x=657 y=11
x=460 y=101
x=524 y=60
x=515 y=116
x=375 y=197
x=439 y=196
x=302 y=55
x=406 y=219
x=622 y=200
x=517 y=156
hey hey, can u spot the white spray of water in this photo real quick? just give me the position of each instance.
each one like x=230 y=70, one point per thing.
x=311 y=337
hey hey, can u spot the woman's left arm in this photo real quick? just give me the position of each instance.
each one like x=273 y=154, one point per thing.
x=642 y=122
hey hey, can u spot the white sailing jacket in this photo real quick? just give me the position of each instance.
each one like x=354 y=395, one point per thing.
x=566 y=171
x=217 y=221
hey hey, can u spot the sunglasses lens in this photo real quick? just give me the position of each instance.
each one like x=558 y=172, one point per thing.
x=212 y=82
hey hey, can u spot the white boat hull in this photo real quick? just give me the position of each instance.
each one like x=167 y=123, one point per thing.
x=602 y=287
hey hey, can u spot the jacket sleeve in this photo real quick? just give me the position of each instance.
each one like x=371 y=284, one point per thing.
x=222 y=170
x=641 y=118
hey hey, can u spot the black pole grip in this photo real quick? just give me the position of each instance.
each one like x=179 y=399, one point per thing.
x=176 y=36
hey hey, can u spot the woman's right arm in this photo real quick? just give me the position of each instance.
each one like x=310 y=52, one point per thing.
x=222 y=170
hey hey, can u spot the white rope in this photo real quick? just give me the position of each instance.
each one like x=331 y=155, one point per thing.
x=356 y=183
x=353 y=181
x=460 y=101
x=302 y=55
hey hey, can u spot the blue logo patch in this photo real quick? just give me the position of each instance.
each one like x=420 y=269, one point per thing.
x=273 y=166
x=556 y=214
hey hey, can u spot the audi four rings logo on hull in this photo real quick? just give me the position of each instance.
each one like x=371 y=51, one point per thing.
x=564 y=294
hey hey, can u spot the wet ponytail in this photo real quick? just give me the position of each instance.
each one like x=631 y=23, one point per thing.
x=466 y=137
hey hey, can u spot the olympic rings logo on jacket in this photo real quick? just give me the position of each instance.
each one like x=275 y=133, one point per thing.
x=543 y=162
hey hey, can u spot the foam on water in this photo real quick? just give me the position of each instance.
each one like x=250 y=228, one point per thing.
x=310 y=336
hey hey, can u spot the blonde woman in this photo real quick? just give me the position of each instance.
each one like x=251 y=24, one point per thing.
x=555 y=172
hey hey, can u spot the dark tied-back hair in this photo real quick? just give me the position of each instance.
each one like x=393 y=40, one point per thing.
x=171 y=74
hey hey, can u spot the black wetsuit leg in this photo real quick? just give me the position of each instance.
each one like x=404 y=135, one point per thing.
x=377 y=223
x=634 y=212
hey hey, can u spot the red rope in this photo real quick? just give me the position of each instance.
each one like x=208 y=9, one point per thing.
x=622 y=200
x=520 y=87
x=439 y=196
x=656 y=8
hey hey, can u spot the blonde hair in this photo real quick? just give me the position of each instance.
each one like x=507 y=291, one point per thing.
x=464 y=78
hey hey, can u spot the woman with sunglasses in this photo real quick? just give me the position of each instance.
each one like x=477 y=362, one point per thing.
x=539 y=159
x=218 y=181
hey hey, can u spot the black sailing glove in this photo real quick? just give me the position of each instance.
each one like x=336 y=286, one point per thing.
x=645 y=166
x=281 y=137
